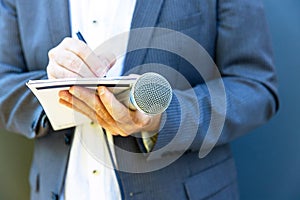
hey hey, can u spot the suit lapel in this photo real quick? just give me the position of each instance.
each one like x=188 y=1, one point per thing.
x=145 y=15
x=58 y=20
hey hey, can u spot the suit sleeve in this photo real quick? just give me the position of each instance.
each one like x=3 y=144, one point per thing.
x=244 y=57
x=19 y=109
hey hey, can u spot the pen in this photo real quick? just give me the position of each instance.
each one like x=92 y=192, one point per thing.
x=80 y=37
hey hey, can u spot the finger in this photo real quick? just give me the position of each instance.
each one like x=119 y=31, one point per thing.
x=54 y=70
x=92 y=100
x=50 y=71
x=85 y=110
x=96 y=65
x=71 y=62
x=85 y=53
x=78 y=47
x=105 y=120
x=74 y=107
x=108 y=60
x=128 y=120
x=115 y=108
x=94 y=117
x=72 y=102
x=99 y=64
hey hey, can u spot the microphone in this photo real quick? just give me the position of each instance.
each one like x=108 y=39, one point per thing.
x=150 y=94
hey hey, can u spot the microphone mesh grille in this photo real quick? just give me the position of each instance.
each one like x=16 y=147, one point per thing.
x=152 y=93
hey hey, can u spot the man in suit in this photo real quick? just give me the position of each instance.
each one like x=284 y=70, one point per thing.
x=234 y=33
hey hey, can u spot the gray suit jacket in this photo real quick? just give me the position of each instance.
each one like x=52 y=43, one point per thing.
x=233 y=32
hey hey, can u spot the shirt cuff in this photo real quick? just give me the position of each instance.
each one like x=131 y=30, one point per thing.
x=149 y=140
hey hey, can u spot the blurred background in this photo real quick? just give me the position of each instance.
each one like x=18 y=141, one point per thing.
x=267 y=159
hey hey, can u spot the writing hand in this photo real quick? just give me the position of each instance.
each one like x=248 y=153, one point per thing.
x=73 y=58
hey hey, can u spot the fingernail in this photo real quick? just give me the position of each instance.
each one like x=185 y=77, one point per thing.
x=72 y=90
x=101 y=90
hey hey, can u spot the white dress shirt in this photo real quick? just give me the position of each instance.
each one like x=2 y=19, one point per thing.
x=90 y=174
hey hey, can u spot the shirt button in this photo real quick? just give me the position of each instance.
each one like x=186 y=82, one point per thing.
x=131 y=194
x=96 y=172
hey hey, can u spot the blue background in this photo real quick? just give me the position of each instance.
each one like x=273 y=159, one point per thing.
x=268 y=159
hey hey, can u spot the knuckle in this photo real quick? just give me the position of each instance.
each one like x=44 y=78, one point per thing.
x=111 y=129
x=85 y=51
x=51 y=53
x=147 y=121
x=66 y=41
x=98 y=109
x=113 y=133
x=141 y=122
x=136 y=120
x=140 y=125
x=124 y=129
x=123 y=133
x=101 y=121
x=123 y=117
x=50 y=71
x=75 y=62
x=118 y=126
x=106 y=115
